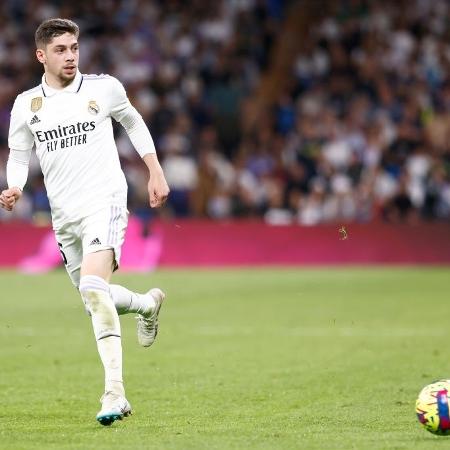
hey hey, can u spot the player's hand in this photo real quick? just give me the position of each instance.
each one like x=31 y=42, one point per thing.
x=158 y=190
x=9 y=197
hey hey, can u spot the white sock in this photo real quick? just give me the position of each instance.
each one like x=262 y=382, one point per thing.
x=110 y=351
x=127 y=301
x=105 y=321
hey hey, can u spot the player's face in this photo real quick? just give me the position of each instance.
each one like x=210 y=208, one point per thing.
x=60 y=58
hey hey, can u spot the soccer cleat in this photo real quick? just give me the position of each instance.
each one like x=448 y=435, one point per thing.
x=147 y=324
x=114 y=407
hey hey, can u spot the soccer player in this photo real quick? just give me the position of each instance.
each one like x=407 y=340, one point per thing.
x=67 y=119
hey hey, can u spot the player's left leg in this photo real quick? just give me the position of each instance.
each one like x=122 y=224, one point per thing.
x=146 y=306
x=106 y=230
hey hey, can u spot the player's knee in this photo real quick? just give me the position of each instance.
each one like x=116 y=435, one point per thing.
x=92 y=300
x=97 y=300
x=94 y=292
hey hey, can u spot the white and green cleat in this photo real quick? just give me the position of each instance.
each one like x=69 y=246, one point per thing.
x=147 y=324
x=114 y=407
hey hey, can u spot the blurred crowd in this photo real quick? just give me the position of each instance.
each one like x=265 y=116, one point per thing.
x=360 y=132
x=367 y=125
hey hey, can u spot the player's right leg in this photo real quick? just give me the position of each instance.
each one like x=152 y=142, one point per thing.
x=90 y=273
x=96 y=271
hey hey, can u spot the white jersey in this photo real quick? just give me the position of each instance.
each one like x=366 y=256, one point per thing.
x=72 y=133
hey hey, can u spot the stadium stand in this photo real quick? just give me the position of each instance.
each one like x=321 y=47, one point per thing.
x=302 y=112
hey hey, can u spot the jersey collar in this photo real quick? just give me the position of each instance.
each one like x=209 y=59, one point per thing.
x=72 y=87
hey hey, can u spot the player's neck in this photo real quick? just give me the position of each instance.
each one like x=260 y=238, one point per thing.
x=56 y=82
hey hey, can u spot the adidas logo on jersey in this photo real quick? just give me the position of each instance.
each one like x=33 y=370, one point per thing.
x=34 y=120
x=96 y=241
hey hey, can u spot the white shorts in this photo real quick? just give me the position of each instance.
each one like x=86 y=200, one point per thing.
x=101 y=231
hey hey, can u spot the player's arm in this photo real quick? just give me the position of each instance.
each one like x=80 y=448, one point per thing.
x=16 y=176
x=20 y=142
x=158 y=190
x=125 y=113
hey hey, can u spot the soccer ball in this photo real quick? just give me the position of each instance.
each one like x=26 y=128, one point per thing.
x=432 y=407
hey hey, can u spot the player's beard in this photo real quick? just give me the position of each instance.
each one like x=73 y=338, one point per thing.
x=67 y=78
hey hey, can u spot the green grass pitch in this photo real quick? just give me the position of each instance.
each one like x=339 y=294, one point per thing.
x=245 y=359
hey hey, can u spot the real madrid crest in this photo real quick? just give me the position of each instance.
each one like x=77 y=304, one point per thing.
x=93 y=108
x=36 y=104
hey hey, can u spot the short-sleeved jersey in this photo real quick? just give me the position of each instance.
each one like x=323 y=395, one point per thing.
x=72 y=133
